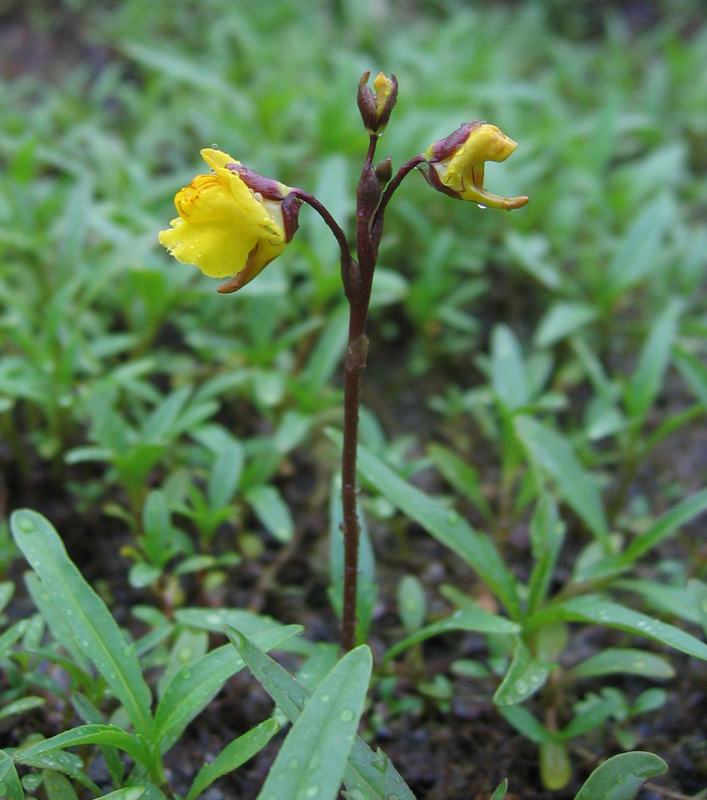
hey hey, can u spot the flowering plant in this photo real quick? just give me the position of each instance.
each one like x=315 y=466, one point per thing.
x=233 y=222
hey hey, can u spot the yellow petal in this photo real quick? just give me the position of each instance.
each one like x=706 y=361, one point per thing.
x=212 y=246
x=248 y=207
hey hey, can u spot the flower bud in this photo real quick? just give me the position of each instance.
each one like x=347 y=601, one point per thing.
x=384 y=171
x=376 y=106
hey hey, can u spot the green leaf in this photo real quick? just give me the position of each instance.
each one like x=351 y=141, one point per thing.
x=525 y=722
x=621 y=777
x=225 y=474
x=327 y=352
x=525 y=676
x=86 y=734
x=473 y=619
x=592 y=712
x=97 y=633
x=272 y=511
x=21 y=705
x=622 y=660
x=561 y=320
x=157 y=428
x=694 y=373
x=508 y=378
x=555 y=766
x=313 y=757
x=446 y=526
x=195 y=685
x=669 y=600
x=661 y=529
x=412 y=603
x=55 y=619
x=462 y=476
x=10 y=785
x=553 y=452
x=233 y=755
x=58 y=787
x=131 y=793
x=592 y=608
x=370 y=773
x=214 y=619
x=698 y=593
x=500 y=791
x=638 y=250
x=647 y=380
x=547 y=533
x=91 y=716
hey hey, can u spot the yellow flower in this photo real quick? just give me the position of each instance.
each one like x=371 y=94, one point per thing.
x=231 y=221
x=457 y=164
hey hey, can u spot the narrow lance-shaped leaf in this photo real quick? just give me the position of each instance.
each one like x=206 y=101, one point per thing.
x=233 y=755
x=554 y=454
x=592 y=608
x=96 y=631
x=194 y=686
x=446 y=526
x=10 y=785
x=646 y=381
x=86 y=734
x=313 y=756
x=662 y=529
x=370 y=773
x=472 y=619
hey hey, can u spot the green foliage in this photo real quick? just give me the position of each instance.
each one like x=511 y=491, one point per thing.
x=555 y=359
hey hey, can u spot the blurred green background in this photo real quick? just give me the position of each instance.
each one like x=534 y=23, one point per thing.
x=106 y=105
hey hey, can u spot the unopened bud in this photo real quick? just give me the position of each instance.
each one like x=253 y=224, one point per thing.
x=376 y=106
x=384 y=171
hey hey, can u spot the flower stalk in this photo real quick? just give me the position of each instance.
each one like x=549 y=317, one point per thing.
x=233 y=222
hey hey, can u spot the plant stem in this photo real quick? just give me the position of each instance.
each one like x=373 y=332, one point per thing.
x=356 y=353
x=358 y=281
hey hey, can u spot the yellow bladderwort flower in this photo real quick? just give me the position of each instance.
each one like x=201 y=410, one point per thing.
x=231 y=221
x=457 y=164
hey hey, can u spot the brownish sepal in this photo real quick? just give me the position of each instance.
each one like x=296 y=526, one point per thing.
x=445 y=148
x=270 y=189
x=290 y=215
x=367 y=104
